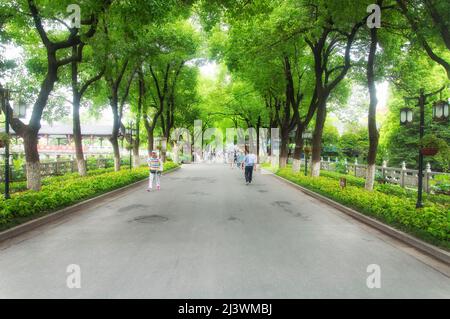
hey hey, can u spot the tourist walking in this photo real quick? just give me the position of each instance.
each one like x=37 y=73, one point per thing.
x=249 y=165
x=156 y=167
x=240 y=158
x=235 y=157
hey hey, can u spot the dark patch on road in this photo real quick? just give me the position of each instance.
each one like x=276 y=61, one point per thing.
x=151 y=219
x=131 y=207
x=172 y=178
x=284 y=205
x=199 y=193
x=303 y=217
x=202 y=179
x=234 y=219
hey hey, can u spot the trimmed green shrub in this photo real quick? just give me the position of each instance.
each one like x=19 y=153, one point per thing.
x=430 y=223
x=390 y=189
x=441 y=184
x=62 y=191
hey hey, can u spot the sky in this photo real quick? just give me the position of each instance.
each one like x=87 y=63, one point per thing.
x=209 y=70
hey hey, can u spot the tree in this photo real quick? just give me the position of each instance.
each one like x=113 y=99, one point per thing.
x=354 y=142
x=258 y=53
x=410 y=71
x=329 y=69
x=78 y=91
x=430 y=27
x=373 y=130
x=130 y=20
x=57 y=46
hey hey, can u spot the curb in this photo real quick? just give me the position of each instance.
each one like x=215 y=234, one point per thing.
x=420 y=245
x=51 y=217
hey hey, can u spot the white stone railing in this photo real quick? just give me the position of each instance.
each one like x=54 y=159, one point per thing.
x=407 y=178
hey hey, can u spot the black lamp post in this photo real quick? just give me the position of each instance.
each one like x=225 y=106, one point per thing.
x=18 y=112
x=406 y=117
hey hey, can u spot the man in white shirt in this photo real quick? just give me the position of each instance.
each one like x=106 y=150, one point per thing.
x=250 y=165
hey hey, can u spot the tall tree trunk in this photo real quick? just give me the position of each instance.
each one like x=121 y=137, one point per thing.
x=116 y=150
x=137 y=140
x=258 y=127
x=284 y=144
x=150 y=140
x=77 y=136
x=136 y=158
x=115 y=134
x=373 y=131
x=30 y=135
x=317 y=138
x=298 y=149
x=136 y=144
x=30 y=140
x=164 y=144
x=76 y=100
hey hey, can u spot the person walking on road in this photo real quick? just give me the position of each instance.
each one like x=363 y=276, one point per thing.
x=156 y=167
x=240 y=159
x=249 y=165
x=235 y=156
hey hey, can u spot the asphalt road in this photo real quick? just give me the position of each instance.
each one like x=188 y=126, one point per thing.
x=208 y=235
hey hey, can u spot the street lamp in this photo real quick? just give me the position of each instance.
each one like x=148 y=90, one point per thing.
x=406 y=116
x=439 y=111
x=18 y=112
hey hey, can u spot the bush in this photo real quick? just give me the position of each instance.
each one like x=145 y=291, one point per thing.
x=379 y=177
x=62 y=191
x=430 y=223
x=441 y=184
x=341 y=167
x=390 y=189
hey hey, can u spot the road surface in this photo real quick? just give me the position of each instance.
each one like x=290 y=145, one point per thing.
x=208 y=235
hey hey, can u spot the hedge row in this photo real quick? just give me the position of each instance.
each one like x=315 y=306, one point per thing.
x=22 y=186
x=63 y=191
x=391 y=189
x=430 y=223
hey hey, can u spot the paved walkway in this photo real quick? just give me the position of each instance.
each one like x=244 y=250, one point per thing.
x=208 y=235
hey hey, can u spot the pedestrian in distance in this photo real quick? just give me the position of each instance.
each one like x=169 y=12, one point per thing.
x=235 y=157
x=240 y=159
x=156 y=167
x=249 y=165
